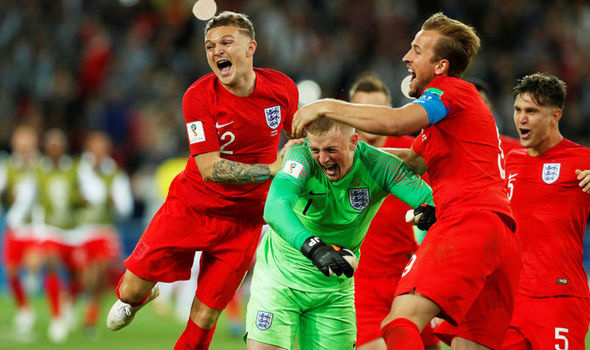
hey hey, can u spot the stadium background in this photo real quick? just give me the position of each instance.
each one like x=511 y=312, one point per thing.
x=122 y=66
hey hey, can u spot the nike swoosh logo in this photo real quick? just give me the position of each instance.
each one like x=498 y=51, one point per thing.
x=218 y=126
x=316 y=194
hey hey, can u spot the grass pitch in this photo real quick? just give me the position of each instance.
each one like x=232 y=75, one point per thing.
x=146 y=332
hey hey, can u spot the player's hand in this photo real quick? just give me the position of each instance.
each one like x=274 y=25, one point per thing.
x=426 y=216
x=326 y=258
x=584 y=177
x=276 y=165
x=306 y=115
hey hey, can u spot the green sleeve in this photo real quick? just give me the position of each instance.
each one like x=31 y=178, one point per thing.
x=279 y=214
x=396 y=178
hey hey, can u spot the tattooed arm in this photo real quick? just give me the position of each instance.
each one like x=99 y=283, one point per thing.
x=213 y=168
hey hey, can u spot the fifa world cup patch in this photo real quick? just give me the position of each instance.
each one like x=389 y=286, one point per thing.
x=293 y=168
x=273 y=116
x=551 y=172
x=264 y=320
x=195 y=132
x=359 y=198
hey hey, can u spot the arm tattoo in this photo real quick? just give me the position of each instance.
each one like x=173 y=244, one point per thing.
x=227 y=171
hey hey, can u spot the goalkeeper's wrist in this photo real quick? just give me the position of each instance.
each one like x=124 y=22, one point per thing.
x=310 y=245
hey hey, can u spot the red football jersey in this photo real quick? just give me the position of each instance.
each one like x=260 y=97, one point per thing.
x=242 y=129
x=462 y=153
x=509 y=143
x=390 y=239
x=551 y=212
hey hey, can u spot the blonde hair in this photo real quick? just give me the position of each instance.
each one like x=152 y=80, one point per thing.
x=458 y=44
x=324 y=125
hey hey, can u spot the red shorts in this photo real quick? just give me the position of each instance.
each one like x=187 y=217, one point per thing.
x=166 y=250
x=548 y=323
x=373 y=298
x=469 y=265
x=71 y=256
x=104 y=245
x=14 y=247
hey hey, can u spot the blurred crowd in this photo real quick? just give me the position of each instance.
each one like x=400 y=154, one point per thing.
x=122 y=66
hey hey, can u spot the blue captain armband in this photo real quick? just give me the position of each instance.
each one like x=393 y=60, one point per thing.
x=435 y=108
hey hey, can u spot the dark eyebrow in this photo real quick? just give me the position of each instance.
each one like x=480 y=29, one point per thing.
x=223 y=37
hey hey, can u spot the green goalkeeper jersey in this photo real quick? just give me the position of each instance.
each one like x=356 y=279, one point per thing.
x=302 y=202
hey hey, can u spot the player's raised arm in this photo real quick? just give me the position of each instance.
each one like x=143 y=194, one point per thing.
x=375 y=119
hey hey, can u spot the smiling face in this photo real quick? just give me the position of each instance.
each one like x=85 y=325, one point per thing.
x=334 y=151
x=230 y=55
x=421 y=63
x=537 y=125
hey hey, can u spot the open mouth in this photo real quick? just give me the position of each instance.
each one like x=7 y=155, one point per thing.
x=224 y=66
x=330 y=170
x=412 y=74
x=524 y=132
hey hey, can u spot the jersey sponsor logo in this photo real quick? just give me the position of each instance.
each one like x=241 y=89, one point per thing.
x=219 y=126
x=359 y=198
x=195 y=132
x=273 y=116
x=551 y=172
x=264 y=320
x=562 y=281
x=293 y=168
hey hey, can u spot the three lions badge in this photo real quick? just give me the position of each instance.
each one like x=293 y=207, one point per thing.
x=551 y=172
x=263 y=320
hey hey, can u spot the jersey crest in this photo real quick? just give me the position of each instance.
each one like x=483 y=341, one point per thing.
x=551 y=172
x=359 y=198
x=273 y=116
x=264 y=320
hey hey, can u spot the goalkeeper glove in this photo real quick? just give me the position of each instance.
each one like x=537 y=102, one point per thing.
x=427 y=216
x=327 y=258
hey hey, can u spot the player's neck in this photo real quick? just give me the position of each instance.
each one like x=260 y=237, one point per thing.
x=244 y=85
x=551 y=142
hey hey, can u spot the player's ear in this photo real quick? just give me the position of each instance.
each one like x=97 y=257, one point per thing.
x=556 y=115
x=441 y=67
x=251 y=48
x=354 y=139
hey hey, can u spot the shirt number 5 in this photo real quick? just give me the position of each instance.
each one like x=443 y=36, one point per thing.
x=559 y=336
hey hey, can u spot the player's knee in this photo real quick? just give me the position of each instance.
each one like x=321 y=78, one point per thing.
x=130 y=292
x=204 y=316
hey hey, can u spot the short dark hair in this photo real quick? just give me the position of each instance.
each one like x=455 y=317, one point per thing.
x=458 y=43
x=229 y=18
x=369 y=83
x=544 y=89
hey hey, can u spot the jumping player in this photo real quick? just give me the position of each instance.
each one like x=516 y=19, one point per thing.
x=233 y=117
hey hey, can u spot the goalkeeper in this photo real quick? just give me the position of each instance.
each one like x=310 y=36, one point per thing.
x=322 y=200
